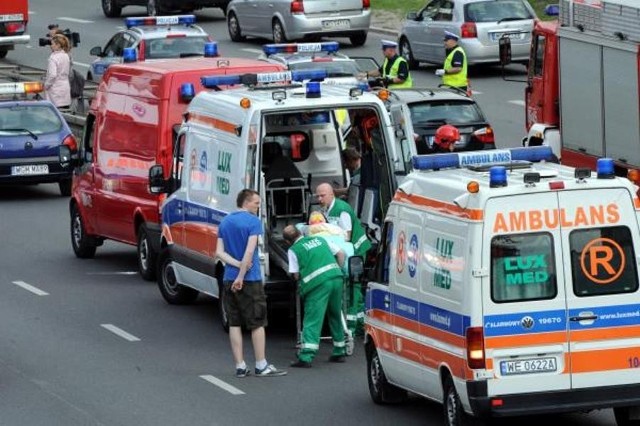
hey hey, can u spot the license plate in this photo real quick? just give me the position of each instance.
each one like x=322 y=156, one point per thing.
x=336 y=24
x=512 y=36
x=166 y=20
x=528 y=366
x=13 y=17
x=30 y=169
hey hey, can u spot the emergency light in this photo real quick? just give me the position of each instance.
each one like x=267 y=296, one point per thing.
x=269 y=77
x=497 y=176
x=481 y=158
x=329 y=46
x=210 y=49
x=142 y=21
x=605 y=168
x=187 y=92
x=552 y=10
x=129 y=54
x=312 y=89
x=21 y=88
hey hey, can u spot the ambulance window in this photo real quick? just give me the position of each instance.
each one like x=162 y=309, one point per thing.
x=522 y=268
x=603 y=261
x=382 y=273
x=178 y=160
x=250 y=177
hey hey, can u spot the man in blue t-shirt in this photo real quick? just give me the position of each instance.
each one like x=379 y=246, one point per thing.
x=245 y=301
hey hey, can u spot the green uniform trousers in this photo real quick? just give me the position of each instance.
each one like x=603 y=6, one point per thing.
x=325 y=297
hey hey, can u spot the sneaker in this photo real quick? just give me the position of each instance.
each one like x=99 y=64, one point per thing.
x=270 y=371
x=242 y=372
x=337 y=358
x=300 y=364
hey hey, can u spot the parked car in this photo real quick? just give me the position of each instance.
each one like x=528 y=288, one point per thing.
x=113 y=8
x=283 y=20
x=36 y=144
x=479 y=23
x=158 y=37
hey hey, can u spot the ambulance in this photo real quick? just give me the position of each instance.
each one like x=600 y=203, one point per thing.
x=280 y=138
x=508 y=286
x=132 y=125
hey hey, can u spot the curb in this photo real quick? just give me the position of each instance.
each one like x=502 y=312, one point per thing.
x=386 y=31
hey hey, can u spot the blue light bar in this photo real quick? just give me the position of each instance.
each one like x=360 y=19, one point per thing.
x=220 y=80
x=605 y=168
x=497 y=176
x=129 y=54
x=329 y=46
x=481 y=158
x=272 y=77
x=552 y=10
x=210 y=49
x=187 y=92
x=141 y=21
x=315 y=74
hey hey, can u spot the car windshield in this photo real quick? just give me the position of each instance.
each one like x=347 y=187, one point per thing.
x=493 y=11
x=435 y=114
x=21 y=119
x=333 y=68
x=174 y=47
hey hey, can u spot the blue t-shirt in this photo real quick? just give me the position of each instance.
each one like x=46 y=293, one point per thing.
x=235 y=230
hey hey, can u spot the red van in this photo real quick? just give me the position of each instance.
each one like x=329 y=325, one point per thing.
x=131 y=126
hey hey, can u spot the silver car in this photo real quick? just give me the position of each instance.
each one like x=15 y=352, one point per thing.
x=283 y=20
x=479 y=23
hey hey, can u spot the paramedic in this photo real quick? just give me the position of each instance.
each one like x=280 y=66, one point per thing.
x=313 y=265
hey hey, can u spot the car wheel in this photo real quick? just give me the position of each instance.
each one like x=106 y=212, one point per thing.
x=154 y=8
x=171 y=290
x=407 y=54
x=623 y=417
x=111 y=9
x=147 y=257
x=358 y=39
x=65 y=187
x=235 y=33
x=278 y=32
x=382 y=392
x=3 y=52
x=83 y=245
x=454 y=414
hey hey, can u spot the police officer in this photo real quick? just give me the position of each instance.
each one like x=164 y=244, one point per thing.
x=454 y=73
x=312 y=263
x=395 y=69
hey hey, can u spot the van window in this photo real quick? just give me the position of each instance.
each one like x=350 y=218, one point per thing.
x=603 y=261
x=178 y=160
x=384 y=255
x=522 y=268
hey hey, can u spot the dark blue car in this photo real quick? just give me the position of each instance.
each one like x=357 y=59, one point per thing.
x=36 y=144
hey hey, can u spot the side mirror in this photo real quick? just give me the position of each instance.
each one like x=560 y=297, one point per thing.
x=356 y=269
x=505 y=50
x=157 y=183
x=412 y=16
x=96 y=51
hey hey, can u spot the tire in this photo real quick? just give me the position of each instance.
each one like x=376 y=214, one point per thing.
x=111 y=9
x=147 y=256
x=407 y=54
x=382 y=392
x=65 y=187
x=233 y=26
x=359 y=39
x=3 y=52
x=454 y=414
x=622 y=415
x=173 y=293
x=83 y=245
x=278 y=32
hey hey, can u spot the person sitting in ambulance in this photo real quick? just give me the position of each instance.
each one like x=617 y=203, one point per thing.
x=445 y=139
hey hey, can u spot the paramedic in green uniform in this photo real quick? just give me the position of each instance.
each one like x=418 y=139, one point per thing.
x=312 y=261
x=339 y=212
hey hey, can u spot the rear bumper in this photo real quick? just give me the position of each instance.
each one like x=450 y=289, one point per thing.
x=56 y=171
x=302 y=26
x=478 y=53
x=551 y=402
x=11 y=40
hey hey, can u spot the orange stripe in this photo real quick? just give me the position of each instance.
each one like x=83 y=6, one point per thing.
x=603 y=360
x=526 y=340
x=428 y=331
x=440 y=206
x=636 y=203
x=225 y=126
x=605 y=334
x=201 y=237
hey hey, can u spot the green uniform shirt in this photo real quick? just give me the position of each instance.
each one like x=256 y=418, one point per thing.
x=361 y=243
x=315 y=260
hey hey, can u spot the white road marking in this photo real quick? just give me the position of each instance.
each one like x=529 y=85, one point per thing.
x=222 y=385
x=251 y=50
x=113 y=273
x=120 y=332
x=31 y=288
x=81 y=64
x=79 y=21
x=31 y=12
x=517 y=102
x=475 y=92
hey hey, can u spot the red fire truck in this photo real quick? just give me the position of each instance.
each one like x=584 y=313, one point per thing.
x=582 y=85
x=14 y=16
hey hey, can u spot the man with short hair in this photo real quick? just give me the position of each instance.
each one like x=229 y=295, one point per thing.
x=454 y=71
x=244 y=298
x=394 y=70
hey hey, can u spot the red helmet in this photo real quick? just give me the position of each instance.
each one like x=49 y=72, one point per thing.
x=447 y=135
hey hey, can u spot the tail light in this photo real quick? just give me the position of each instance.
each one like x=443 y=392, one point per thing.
x=297 y=6
x=468 y=30
x=484 y=135
x=14 y=27
x=366 y=4
x=475 y=348
x=70 y=141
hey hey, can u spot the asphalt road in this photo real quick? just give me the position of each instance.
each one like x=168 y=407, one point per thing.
x=87 y=342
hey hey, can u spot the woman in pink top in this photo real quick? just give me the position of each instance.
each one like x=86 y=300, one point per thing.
x=56 y=82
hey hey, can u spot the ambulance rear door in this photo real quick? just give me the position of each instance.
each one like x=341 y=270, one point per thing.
x=525 y=320
x=599 y=239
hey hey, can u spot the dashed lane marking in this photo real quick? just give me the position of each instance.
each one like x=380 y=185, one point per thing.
x=76 y=20
x=251 y=50
x=222 y=385
x=120 y=332
x=113 y=273
x=32 y=289
x=517 y=102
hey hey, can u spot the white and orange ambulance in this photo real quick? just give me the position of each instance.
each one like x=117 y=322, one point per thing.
x=506 y=286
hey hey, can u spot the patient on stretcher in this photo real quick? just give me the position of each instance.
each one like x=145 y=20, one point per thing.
x=319 y=227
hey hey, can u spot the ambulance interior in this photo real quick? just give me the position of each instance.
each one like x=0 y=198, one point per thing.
x=301 y=150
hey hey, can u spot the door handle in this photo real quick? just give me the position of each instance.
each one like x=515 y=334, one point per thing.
x=584 y=318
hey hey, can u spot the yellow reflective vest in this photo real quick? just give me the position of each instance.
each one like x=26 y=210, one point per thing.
x=458 y=79
x=393 y=73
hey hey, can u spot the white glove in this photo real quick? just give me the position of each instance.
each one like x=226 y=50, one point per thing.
x=440 y=72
